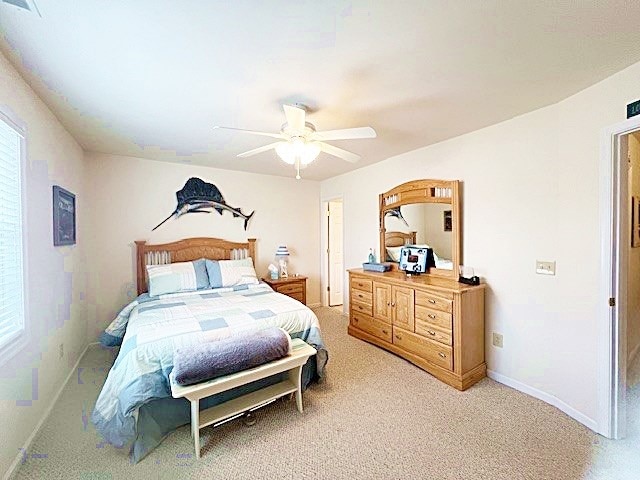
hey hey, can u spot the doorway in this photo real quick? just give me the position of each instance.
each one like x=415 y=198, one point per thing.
x=335 y=254
x=619 y=371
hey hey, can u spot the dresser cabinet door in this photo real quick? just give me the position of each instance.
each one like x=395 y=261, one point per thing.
x=403 y=307
x=382 y=301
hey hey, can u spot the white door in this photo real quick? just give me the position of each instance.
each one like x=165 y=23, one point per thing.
x=336 y=262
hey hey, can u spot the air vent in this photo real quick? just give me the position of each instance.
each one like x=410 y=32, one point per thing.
x=29 y=5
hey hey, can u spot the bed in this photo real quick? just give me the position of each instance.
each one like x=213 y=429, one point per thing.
x=135 y=407
x=394 y=241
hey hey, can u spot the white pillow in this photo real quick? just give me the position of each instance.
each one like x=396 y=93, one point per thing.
x=172 y=278
x=228 y=273
x=394 y=253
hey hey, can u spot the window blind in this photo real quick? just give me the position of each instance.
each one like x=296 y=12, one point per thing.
x=11 y=271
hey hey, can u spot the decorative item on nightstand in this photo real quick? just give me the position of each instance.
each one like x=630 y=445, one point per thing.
x=273 y=271
x=282 y=255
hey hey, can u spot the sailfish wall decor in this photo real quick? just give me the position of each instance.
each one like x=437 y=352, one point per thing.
x=198 y=196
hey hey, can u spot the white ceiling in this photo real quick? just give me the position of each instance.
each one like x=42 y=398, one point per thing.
x=150 y=78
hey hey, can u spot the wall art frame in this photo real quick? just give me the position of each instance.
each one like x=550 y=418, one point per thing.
x=64 y=217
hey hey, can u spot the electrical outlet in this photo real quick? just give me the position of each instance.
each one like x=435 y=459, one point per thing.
x=545 y=268
x=61 y=350
x=496 y=339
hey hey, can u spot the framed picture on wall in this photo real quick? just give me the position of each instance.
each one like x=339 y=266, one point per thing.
x=447 y=221
x=64 y=217
x=635 y=221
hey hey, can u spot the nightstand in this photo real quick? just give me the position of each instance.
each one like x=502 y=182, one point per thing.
x=294 y=287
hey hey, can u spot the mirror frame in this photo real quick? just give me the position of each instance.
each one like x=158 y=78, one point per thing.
x=426 y=191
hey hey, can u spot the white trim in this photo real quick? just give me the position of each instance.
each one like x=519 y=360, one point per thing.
x=7 y=115
x=324 y=245
x=611 y=378
x=545 y=397
x=27 y=444
x=22 y=337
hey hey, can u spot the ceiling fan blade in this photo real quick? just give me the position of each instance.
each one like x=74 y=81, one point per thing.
x=253 y=132
x=255 y=151
x=345 y=134
x=295 y=117
x=338 y=152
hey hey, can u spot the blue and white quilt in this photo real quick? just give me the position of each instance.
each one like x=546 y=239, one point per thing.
x=150 y=329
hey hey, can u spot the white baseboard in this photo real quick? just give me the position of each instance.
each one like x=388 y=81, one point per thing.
x=545 y=397
x=633 y=353
x=27 y=444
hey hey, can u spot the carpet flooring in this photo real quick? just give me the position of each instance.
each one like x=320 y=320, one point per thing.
x=375 y=416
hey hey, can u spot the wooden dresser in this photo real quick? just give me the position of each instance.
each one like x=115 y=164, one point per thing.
x=436 y=323
x=294 y=287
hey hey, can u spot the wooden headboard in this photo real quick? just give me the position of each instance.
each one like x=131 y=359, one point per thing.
x=187 y=250
x=399 y=239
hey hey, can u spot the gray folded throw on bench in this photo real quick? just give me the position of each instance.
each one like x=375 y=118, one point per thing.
x=218 y=358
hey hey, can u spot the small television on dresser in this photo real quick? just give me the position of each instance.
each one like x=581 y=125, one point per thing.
x=416 y=259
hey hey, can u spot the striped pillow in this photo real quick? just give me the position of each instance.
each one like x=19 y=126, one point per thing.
x=228 y=273
x=177 y=277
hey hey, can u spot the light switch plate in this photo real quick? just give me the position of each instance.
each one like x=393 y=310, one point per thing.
x=545 y=268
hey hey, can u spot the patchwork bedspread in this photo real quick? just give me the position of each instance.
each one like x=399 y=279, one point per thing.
x=152 y=328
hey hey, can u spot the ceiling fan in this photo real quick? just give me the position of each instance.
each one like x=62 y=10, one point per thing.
x=299 y=143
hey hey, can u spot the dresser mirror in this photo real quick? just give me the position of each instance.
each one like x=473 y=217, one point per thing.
x=422 y=212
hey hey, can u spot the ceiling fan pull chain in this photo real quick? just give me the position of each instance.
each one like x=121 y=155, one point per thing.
x=297 y=168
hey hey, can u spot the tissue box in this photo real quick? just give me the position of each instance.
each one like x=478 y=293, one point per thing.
x=376 y=267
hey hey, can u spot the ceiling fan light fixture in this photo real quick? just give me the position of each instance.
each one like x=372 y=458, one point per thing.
x=297 y=149
x=285 y=152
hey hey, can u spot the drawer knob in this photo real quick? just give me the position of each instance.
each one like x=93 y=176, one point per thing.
x=398 y=337
x=431 y=332
x=432 y=301
x=393 y=304
x=431 y=315
x=384 y=331
x=355 y=320
x=442 y=355
x=388 y=303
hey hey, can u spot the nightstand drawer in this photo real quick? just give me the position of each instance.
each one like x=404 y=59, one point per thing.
x=290 y=288
x=294 y=287
x=297 y=296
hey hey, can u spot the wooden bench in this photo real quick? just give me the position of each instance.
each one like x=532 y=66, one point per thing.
x=292 y=363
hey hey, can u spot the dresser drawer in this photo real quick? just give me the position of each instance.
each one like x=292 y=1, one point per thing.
x=433 y=352
x=362 y=284
x=429 y=330
x=362 y=308
x=372 y=326
x=362 y=297
x=298 y=296
x=435 y=317
x=290 y=288
x=442 y=302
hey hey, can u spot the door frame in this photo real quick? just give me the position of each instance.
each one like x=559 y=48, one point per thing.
x=612 y=320
x=324 y=246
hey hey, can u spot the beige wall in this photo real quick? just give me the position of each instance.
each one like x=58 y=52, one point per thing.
x=129 y=196
x=530 y=191
x=55 y=276
x=633 y=286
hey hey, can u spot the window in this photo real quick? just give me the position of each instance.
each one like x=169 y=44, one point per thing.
x=12 y=316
